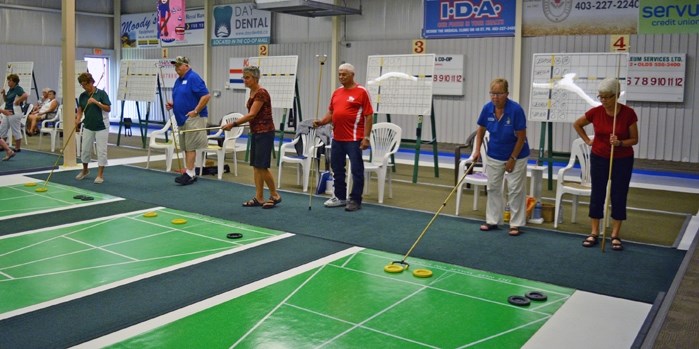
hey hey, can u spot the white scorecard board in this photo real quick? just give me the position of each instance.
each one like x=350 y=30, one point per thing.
x=401 y=84
x=278 y=77
x=138 y=80
x=80 y=67
x=564 y=85
x=657 y=77
x=24 y=71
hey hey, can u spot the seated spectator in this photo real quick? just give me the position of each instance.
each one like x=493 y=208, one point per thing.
x=44 y=98
x=48 y=106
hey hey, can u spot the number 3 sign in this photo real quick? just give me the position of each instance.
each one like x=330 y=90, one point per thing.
x=419 y=46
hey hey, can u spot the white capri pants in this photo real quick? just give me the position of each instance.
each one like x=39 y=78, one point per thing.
x=12 y=122
x=100 y=138
x=517 y=197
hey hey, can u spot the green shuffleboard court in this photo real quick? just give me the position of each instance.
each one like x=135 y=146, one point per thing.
x=23 y=199
x=349 y=301
x=51 y=265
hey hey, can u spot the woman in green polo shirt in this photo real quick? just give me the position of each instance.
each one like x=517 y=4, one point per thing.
x=95 y=106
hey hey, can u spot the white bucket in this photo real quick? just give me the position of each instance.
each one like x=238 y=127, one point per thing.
x=329 y=186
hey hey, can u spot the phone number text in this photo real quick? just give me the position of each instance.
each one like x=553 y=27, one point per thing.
x=605 y=5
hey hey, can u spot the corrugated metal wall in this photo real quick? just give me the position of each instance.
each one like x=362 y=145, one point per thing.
x=388 y=27
x=666 y=129
x=195 y=54
x=46 y=62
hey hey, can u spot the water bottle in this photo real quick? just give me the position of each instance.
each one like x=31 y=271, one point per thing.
x=506 y=214
x=537 y=211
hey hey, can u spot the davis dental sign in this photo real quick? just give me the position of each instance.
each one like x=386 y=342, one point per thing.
x=240 y=24
x=668 y=16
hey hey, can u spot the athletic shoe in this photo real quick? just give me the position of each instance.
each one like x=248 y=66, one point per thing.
x=335 y=202
x=82 y=175
x=352 y=206
x=185 y=179
x=99 y=180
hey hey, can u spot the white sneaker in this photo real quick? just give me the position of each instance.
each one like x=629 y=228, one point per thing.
x=335 y=202
x=82 y=175
x=99 y=180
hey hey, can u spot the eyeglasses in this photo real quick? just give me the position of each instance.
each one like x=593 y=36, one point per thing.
x=497 y=94
x=600 y=97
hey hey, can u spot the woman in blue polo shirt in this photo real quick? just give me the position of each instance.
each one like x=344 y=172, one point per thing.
x=507 y=152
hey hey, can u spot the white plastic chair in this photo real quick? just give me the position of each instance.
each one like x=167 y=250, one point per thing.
x=53 y=127
x=23 y=123
x=168 y=147
x=478 y=178
x=385 y=141
x=310 y=143
x=579 y=152
x=229 y=145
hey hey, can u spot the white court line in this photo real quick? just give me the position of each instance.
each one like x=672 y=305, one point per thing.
x=129 y=332
x=689 y=233
x=54 y=238
x=291 y=294
x=590 y=320
x=15 y=180
x=461 y=271
x=95 y=247
x=66 y=225
x=362 y=327
x=139 y=277
x=432 y=287
x=503 y=333
x=36 y=210
x=361 y=324
x=102 y=221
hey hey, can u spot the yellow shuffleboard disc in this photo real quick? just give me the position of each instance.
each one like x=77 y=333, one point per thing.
x=150 y=214
x=393 y=268
x=30 y=184
x=422 y=273
x=179 y=221
x=41 y=189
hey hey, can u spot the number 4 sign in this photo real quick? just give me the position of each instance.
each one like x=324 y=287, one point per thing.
x=619 y=43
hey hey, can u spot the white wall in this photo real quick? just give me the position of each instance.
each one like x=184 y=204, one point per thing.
x=385 y=27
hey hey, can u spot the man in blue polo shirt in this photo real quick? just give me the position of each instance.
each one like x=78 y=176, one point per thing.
x=189 y=99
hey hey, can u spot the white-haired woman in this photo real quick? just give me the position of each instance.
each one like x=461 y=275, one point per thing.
x=622 y=136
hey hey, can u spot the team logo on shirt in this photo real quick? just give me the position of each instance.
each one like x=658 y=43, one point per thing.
x=350 y=99
x=508 y=121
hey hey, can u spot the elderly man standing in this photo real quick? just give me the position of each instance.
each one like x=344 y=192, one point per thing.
x=351 y=113
x=189 y=99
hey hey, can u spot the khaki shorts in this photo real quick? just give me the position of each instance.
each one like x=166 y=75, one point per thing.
x=191 y=141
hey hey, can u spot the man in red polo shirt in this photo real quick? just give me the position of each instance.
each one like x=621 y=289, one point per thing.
x=351 y=113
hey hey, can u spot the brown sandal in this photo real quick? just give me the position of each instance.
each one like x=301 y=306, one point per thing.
x=488 y=227
x=617 y=246
x=589 y=243
x=269 y=204
x=252 y=203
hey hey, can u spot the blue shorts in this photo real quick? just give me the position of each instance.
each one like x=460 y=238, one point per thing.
x=261 y=145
